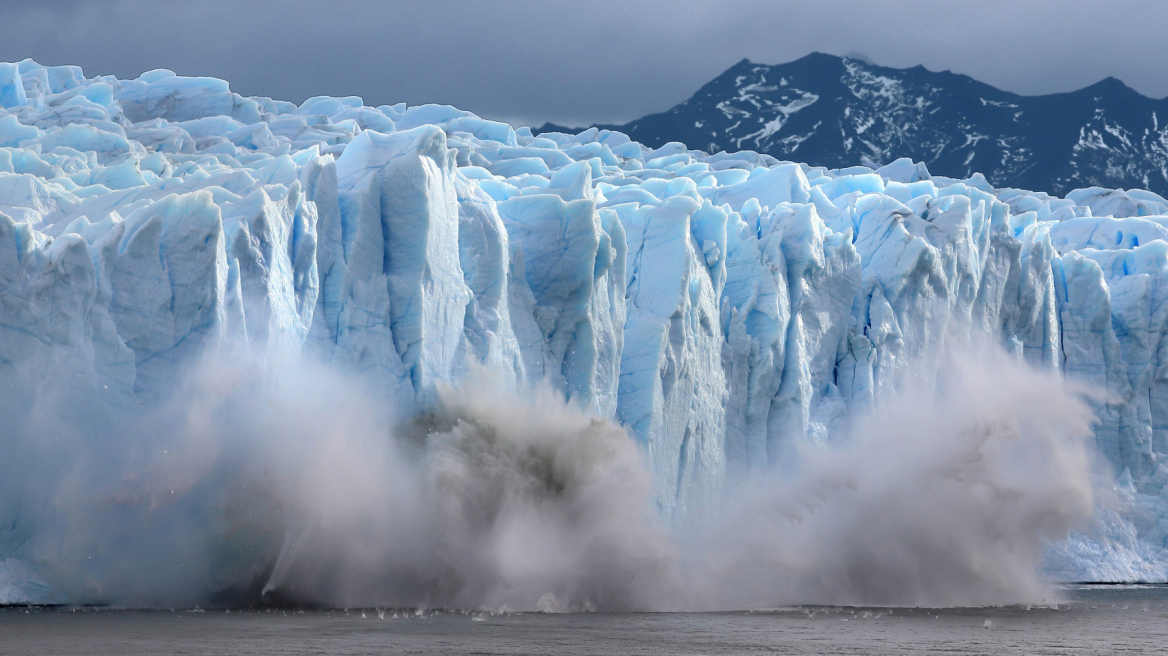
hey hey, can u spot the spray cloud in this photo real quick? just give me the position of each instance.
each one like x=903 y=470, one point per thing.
x=291 y=482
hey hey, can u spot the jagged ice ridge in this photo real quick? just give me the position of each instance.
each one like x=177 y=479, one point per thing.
x=723 y=308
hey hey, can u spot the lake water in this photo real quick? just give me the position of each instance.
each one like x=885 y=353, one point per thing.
x=1094 y=620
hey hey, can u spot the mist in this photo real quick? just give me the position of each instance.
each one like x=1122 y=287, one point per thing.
x=946 y=495
x=290 y=482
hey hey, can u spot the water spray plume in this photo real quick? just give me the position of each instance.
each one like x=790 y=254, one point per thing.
x=266 y=483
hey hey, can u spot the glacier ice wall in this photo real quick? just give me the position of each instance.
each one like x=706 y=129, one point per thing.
x=728 y=309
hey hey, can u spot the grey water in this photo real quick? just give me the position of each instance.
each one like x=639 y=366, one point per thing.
x=1090 y=620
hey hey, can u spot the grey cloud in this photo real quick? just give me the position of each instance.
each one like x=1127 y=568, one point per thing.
x=528 y=61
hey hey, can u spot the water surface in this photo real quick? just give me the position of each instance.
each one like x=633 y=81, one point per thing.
x=1094 y=620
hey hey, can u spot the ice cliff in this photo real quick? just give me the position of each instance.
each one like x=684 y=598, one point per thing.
x=725 y=308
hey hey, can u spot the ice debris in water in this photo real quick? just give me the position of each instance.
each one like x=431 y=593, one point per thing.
x=722 y=307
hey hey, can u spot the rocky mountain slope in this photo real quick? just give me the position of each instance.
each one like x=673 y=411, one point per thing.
x=840 y=112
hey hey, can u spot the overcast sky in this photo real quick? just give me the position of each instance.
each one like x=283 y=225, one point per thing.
x=585 y=61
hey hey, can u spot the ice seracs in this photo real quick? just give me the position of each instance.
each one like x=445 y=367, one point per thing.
x=727 y=309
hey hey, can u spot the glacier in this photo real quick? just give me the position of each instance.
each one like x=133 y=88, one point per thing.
x=728 y=309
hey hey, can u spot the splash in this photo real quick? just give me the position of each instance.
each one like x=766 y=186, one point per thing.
x=508 y=503
x=947 y=495
x=267 y=483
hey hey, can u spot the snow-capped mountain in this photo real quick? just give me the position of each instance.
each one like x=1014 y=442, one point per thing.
x=840 y=112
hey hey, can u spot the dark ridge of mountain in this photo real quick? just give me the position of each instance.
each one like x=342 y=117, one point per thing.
x=838 y=112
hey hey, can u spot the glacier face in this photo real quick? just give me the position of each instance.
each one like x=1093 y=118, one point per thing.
x=728 y=309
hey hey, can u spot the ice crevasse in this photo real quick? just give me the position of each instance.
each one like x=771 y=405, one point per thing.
x=724 y=308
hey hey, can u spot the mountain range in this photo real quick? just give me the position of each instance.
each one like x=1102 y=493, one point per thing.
x=839 y=112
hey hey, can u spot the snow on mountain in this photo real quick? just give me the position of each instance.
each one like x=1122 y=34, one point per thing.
x=724 y=308
x=841 y=112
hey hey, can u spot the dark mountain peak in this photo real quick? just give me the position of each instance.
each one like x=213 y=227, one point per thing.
x=1112 y=85
x=742 y=67
x=822 y=58
x=815 y=60
x=816 y=66
x=738 y=67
